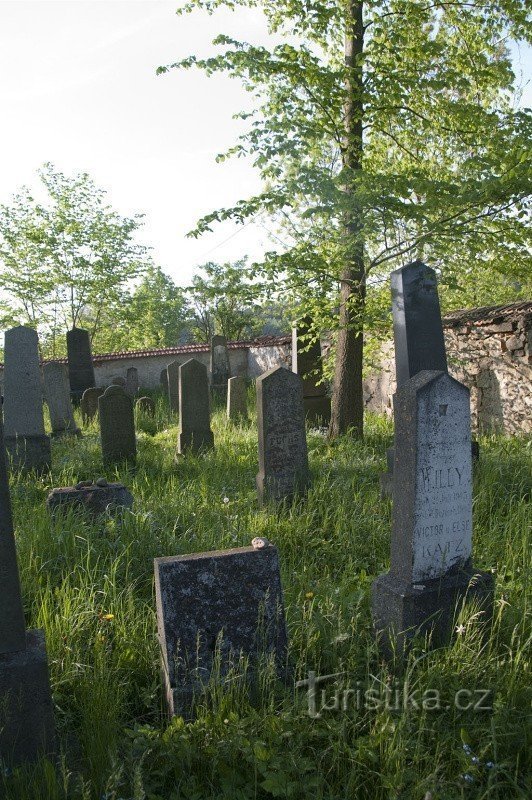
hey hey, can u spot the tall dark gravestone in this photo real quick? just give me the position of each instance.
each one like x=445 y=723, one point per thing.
x=431 y=568
x=213 y=608
x=26 y=711
x=417 y=332
x=307 y=362
x=57 y=393
x=195 y=432
x=220 y=369
x=26 y=442
x=283 y=456
x=117 y=426
x=172 y=385
x=80 y=367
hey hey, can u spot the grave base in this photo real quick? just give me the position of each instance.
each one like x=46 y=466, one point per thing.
x=28 y=453
x=26 y=709
x=95 y=499
x=195 y=441
x=402 y=611
x=317 y=409
x=277 y=490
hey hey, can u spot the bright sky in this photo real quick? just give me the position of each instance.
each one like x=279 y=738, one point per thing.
x=79 y=89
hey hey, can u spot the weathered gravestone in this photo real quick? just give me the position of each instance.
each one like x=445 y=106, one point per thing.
x=219 y=363
x=80 y=367
x=146 y=405
x=163 y=380
x=26 y=442
x=117 y=426
x=195 y=413
x=97 y=497
x=172 y=384
x=237 y=408
x=307 y=362
x=26 y=711
x=431 y=566
x=118 y=380
x=283 y=457
x=213 y=608
x=57 y=393
x=132 y=381
x=89 y=403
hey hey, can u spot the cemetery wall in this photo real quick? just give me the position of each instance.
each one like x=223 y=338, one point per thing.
x=488 y=349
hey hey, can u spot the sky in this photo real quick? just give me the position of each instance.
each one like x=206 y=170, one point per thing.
x=79 y=89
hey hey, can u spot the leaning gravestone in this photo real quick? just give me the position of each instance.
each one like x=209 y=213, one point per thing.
x=417 y=332
x=237 y=409
x=283 y=457
x=26 y=442
x=195 y=432
x=172 y=383
x=431 y=566
x=146 y=405
x=212 y=609
x=117 y=426
x=26 y=711
x=307 y=362
x=89 y=403
x=80 y=367
x=57 y=393
x=132 y=381
x=220 y=370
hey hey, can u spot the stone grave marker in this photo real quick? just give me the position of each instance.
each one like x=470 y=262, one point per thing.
x=172 y=383
x=195 y=432
x=307 y=362
x=283 y=457
x=219 y=363
x=80 y=367
x=163 y=380
x=220 y=604
x=57 y=393
x=118 y=380
x=89 y=403
x=237 y=409
x=26 y=710
x=26 y=442
x=117 y=426
x=132 y=381
x=431 y=564
x=96 y=497
x=146 y=405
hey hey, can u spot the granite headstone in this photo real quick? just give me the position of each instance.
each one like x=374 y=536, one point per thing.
x=89 y=403
x=172 y=383
x=80 y=366
x=219 y=364
x=195 y=432
x=57 y=393
x=132 y=381
x=117 y=426
x=237 y=409
x=307 y=362
x=146 y=405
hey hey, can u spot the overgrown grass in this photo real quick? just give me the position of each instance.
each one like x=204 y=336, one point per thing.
x=115 y=740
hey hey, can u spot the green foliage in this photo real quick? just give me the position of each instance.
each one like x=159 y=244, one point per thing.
x=90 y=585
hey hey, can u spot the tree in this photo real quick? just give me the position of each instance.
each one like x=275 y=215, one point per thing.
x=383 y=130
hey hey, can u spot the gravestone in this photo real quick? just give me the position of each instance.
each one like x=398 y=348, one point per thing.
x=57 y=393
x=80 y=367
x=26 y=442
x=26 y=711
x=132 y=381
x=117 y=426
x=431 y=568
x=146 y=405
x=213 y=608
x=307 y=362
x=97 y=497
x=237 y=409
x=219 y=363
x=118 y=380
x=89 y=403
x=283 y=457
x=163 y=380
x=172 y=383
x=195 y=413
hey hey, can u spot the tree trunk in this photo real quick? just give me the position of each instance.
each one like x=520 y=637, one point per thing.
x=347 y=396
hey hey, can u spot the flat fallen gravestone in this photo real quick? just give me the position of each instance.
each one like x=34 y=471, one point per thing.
x=195 y=432
x=219 y=605
x=26 y=711
x=237 y=408
x=117 y=426
x=57 y=393
x=89 y=403
x=80 y=366
x=431 y=564
x=283 y=456
x=96 y=498
x=172 y=383
x=26 y=442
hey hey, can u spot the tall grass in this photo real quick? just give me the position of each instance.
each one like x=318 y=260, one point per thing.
x=90 y=586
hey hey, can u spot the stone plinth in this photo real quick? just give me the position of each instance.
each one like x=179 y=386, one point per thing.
x=96 y=498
